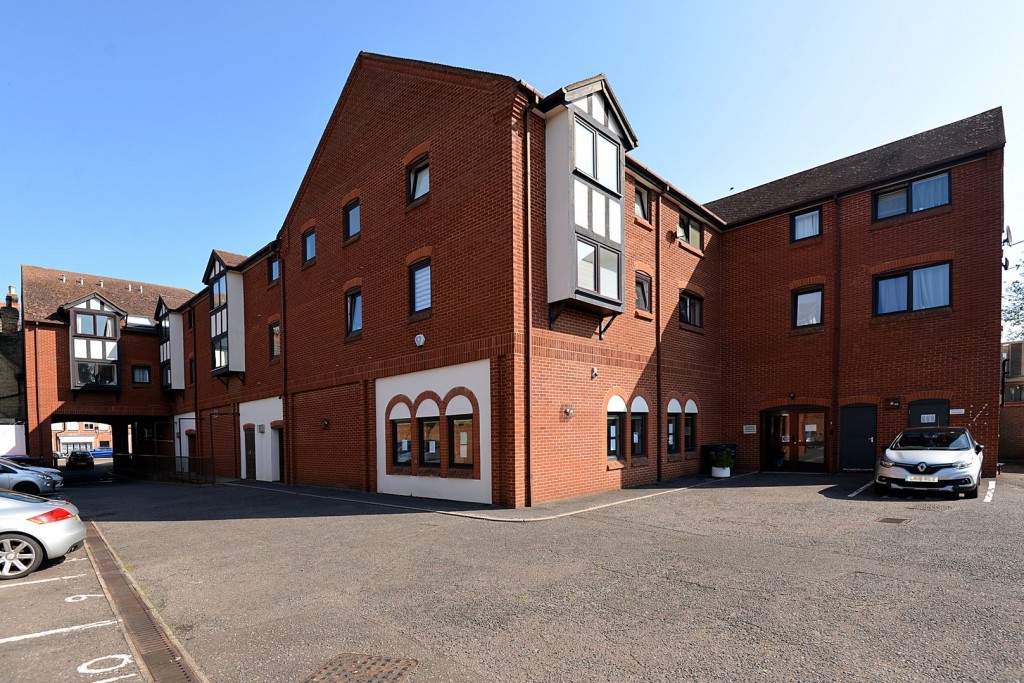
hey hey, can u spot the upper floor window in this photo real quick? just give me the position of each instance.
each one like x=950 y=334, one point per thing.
x=596 y=156
x=219 y=346
x=309 y=246
x=351 y=220
x=275 y=340
x=917 y=195
x=218 y=292
x=419 y=286
x=165 y=329
x=419 y=178
x=691 y=309
x=916 y=289
x=597 y=269
x=643 y=292
x=191 y=318
x=94 y=347
x=354 y=311
x=806 y=224
x=807 y=307
x=95 y=325
x=642 y=204
x=140 y=374
x=273 y=269
x=691 y=231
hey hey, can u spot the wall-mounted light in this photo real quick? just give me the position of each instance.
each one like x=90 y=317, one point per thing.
x=419 y=340
x=792 y=395
x=569 y=411
x=593 y=373
x=261 y=428
x=327 y=423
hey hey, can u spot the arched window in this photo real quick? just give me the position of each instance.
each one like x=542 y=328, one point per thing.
x=675 y=414
x=428 y=422
x=616 y=416
x=690 y=427
x=401 y=435
x=461 y=443
x=638 y=427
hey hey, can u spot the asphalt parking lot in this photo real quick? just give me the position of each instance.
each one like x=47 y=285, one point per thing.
x=761 y=577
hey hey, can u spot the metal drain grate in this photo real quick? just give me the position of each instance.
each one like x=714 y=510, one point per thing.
x=157 y=650
x=356 y=668
x=893 y=520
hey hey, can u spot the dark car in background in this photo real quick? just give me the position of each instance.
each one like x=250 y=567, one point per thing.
x=80 y=460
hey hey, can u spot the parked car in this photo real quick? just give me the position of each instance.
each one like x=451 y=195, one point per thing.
x=27 y=460
x=28 y=481
x=80 y=459
x=102 y=452
x=52 y=471
x=931 y=459
x=34 y=529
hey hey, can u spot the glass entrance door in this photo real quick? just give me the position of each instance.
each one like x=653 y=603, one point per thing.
x=794 y=439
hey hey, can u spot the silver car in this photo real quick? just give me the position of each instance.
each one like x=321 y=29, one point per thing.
x=943 y=459
x=34 y=529
x=52 y=471
x=20 y=479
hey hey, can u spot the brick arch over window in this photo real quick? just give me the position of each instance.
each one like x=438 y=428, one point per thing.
x=353 y=282
x=389 y=462
x=933 y=257
x=311 y=223
x=928 y=395
x=421 y=253
x=808 y=282
x=446 y=436
x=800 y=400
x=416 y=152
x=690 y=287
x=860 y=399
x=350 y=197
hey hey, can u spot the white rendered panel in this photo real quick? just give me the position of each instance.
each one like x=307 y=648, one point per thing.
x=111 y=350
x=176 y=347
x=459 y=405
x=561 y=245
x=616 y=404
x=427 y=409
x=614 y=220
x=691 y=407
x=638 y=405
x=236 y=322
x=261 y=413
x=399 y=411
x=674 y=407
x=96 y=349
x=81 y=348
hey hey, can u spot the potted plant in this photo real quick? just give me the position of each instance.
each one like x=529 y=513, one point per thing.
x=722 y=461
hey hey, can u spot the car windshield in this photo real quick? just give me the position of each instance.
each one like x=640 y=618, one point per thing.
x=933 y=440
x=23 y=497
x=11 y=463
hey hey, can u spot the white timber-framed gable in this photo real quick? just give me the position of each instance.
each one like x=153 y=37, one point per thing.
x=172 y=347
x=94 y=338
x=227 y=316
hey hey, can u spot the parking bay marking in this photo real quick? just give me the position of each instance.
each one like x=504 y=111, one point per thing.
x=28 y=583
x=861 y=489
x=991 y=491
x=58 y=631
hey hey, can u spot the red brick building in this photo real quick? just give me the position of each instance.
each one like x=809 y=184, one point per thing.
x=478 y=295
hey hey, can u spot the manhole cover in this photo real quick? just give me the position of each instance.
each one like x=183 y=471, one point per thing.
x=356 y=668
x=893 y=520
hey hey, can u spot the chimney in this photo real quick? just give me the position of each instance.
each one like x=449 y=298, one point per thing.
x=140 y=289
x=63 y=278
x=129 y=286
x=81 y=280
x=12 y=297
x=101 y=284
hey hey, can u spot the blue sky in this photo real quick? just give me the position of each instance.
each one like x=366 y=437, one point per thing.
x=136 y=137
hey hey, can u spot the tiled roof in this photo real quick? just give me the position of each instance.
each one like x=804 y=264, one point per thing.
x=980 y=133
x=230 y=260
x=44 y=291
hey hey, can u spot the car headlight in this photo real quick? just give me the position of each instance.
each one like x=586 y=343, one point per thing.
x=46 y=477
x=962 y=464
x=886 y=462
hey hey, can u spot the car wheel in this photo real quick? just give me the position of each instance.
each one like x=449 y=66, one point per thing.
x=19 y=556
x=882 y=489
x=973 y=493
x=27 y=487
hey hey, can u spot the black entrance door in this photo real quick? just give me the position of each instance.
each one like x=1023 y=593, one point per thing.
x=857 y=437
x=928 y=413
x=793 y=439
x=250 y=454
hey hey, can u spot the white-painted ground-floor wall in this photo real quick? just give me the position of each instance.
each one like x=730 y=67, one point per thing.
x=12 y=440
x=476 y=377
x=267 y=440
x=183 y=423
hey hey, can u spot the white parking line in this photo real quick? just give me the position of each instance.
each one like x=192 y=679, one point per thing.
x=57 y=631
x=116 y=678
x=861 y=489
x=29 y=583
x=991 y=491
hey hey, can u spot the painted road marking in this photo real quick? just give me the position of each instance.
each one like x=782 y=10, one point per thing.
x=861 y=489
x=80 y=598
x=991 y=491
x=116 y=678
x=58 y=631
x=120 y=661
x=29 y=583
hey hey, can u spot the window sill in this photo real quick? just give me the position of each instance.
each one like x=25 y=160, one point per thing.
x=692 y=328
x=690 y=455
x=354 y=337
x=638 y=461
x=428 y=471
x=307 y=264
x=350 y=240
x=417 y=202
x=646 y=225
x=886 y=318
x=461 y=472
x=273 y=283
x=275 y=360
x=904 y=218
x=644 y=315
x=806 y=330
x=616 y=464
x=686 y=246
x=674 y=457
x=422 y=315
x=806 y=241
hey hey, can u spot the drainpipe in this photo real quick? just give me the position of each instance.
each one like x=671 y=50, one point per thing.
x=35 y=353
x=286 y=456
x=659 y=402
x=837 y=333
x=528 y=321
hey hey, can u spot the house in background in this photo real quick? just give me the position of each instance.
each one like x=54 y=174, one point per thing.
x=12 y=378
x=477 y=294
x=80 y=436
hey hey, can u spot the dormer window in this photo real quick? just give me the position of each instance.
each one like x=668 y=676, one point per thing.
x=172 y=350
x=597 y=156
x=227 y=316
x=95 y=332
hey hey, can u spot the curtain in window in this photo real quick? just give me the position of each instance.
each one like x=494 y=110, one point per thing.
x=931 y=287
x=892 y=203
x=808 y=309
x=892 y=294
x=930 y=192
x=806 y=225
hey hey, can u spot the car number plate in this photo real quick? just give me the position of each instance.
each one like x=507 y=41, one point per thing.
x=924 y=479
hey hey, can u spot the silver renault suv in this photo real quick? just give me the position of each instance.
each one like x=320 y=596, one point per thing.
x=931 y=459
